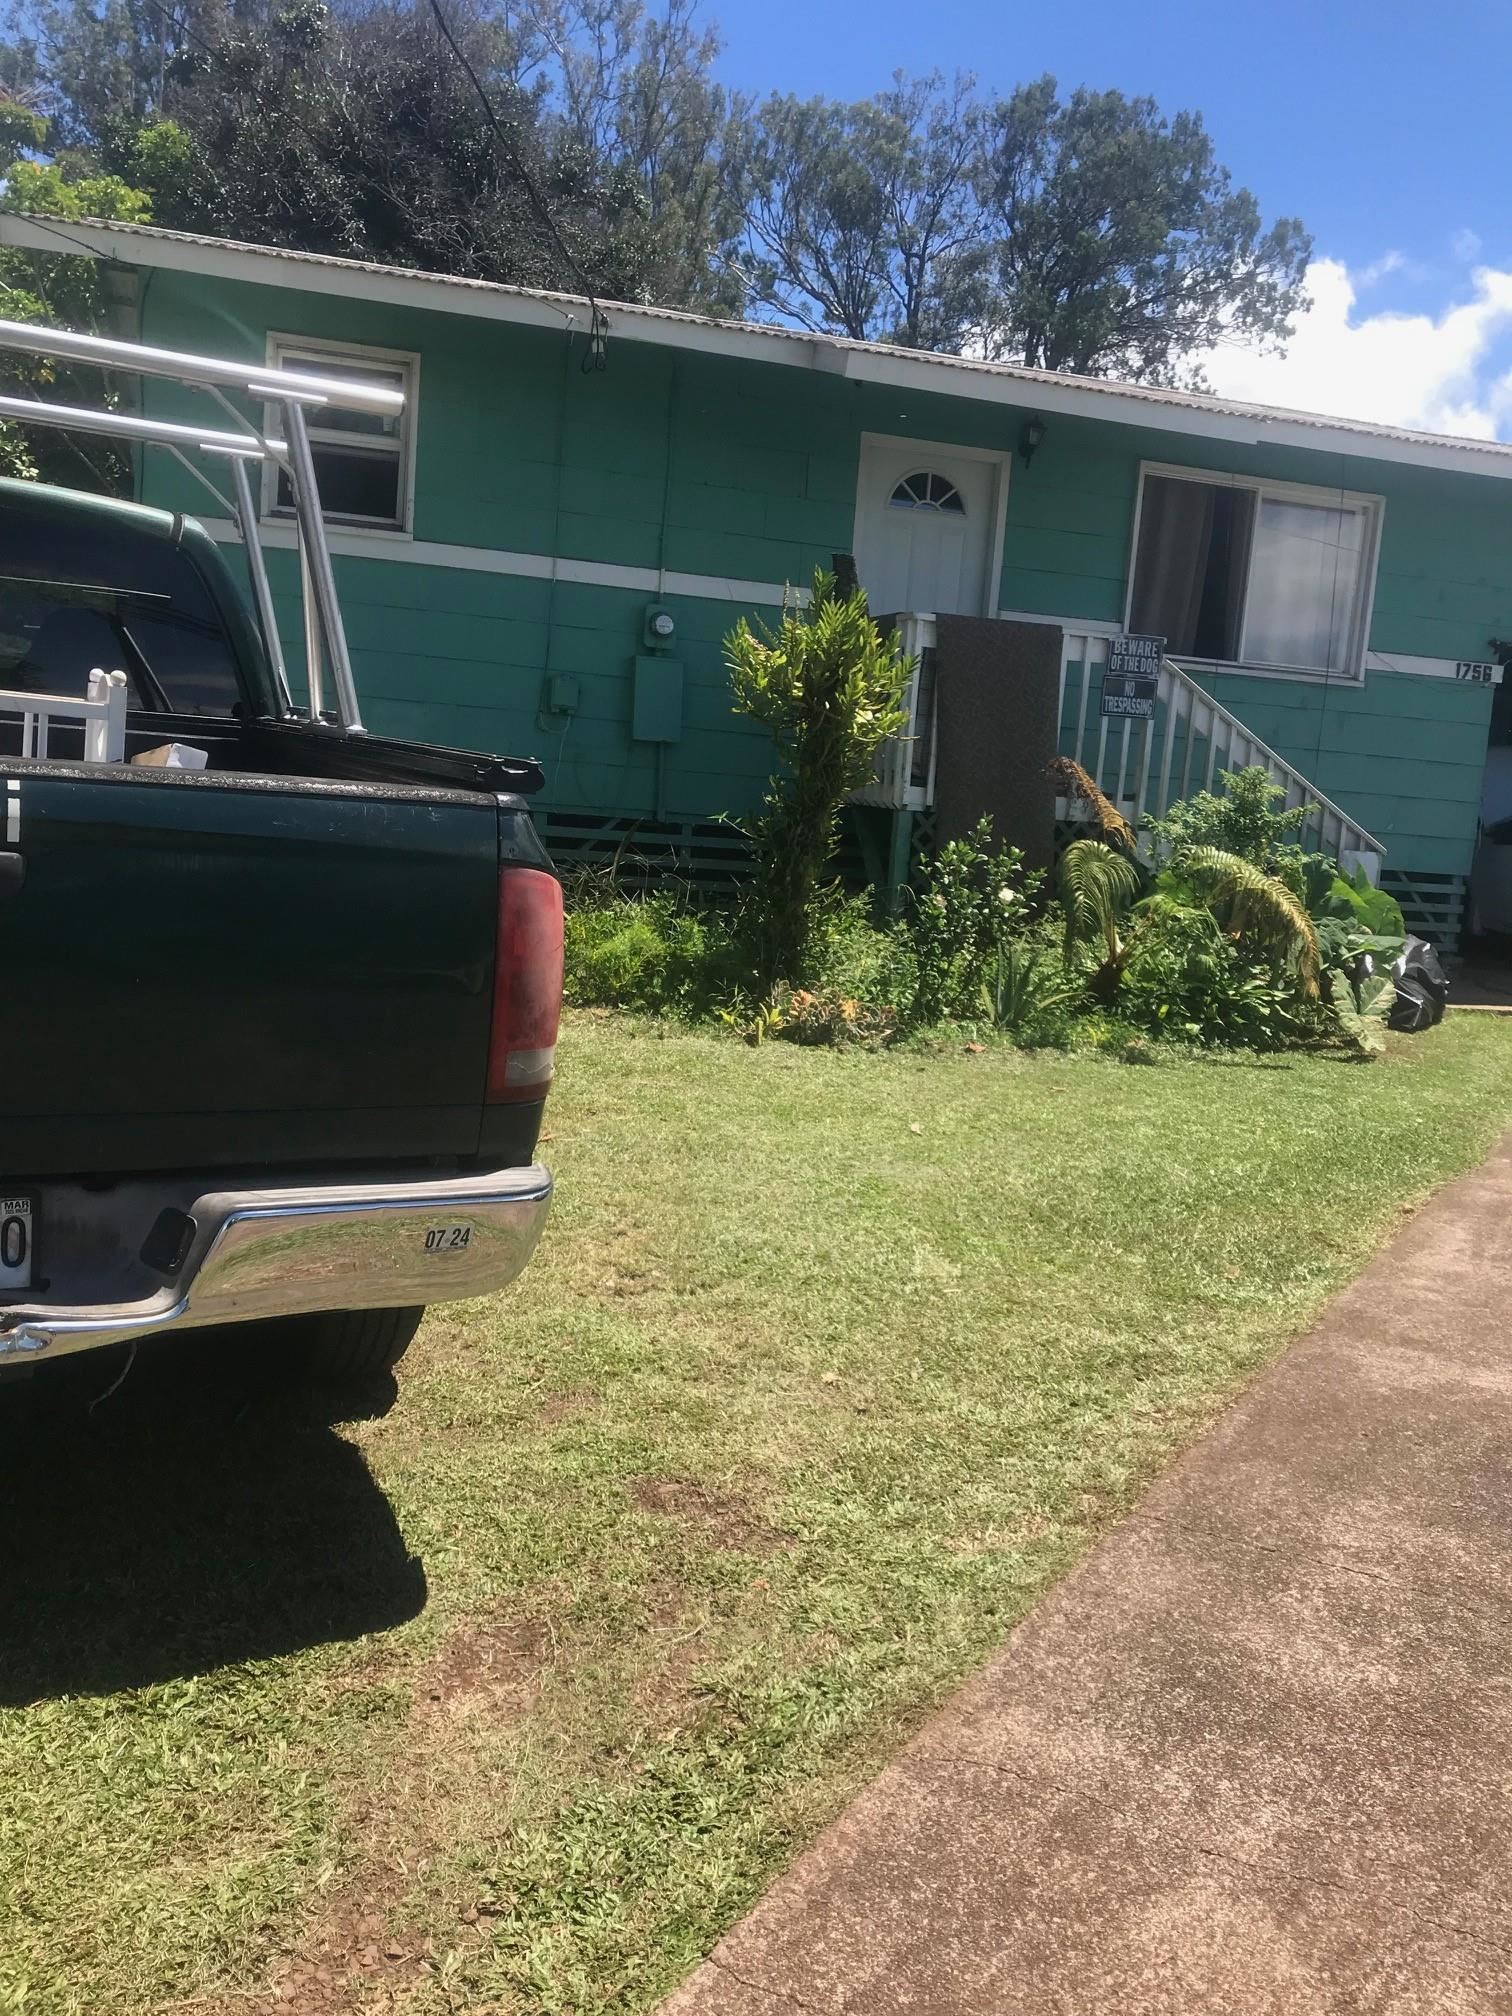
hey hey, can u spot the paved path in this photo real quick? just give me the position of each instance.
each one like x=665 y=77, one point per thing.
x=1255 y=1756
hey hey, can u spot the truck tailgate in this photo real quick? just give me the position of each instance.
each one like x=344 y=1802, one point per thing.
x=205 y=970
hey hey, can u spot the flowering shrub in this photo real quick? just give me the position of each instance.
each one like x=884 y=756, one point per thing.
x=974 y=901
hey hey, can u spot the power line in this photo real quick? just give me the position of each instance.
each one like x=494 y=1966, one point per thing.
x=594 y=357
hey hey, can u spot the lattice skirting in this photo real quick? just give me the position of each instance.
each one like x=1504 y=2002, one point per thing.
x=647 y=853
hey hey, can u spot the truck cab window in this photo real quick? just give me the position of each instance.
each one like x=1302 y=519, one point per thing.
x=75 y=595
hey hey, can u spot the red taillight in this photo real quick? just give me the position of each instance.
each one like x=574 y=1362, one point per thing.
x=527 y=1003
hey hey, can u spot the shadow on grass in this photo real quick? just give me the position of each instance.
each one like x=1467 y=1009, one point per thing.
x=202 y=1515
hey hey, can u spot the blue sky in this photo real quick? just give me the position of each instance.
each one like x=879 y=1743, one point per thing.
x=1382 y=127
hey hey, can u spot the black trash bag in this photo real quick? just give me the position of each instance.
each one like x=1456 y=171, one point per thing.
x=1421 y=989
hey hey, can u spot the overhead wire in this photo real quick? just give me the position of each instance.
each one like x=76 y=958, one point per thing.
x=595 y=356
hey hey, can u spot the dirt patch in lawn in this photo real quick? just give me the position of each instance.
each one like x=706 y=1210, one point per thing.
x=727 y=1520
x=354 y=1960
x=559 y=1407
x=491 y=1662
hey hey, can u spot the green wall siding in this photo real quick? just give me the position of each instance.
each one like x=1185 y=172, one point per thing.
x=746 y=471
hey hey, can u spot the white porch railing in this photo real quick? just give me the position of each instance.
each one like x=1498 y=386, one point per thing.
x=103 y=713
x=1146 y=766
x=904 y=776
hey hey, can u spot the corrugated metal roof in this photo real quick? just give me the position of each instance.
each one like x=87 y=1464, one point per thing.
x=964 y=371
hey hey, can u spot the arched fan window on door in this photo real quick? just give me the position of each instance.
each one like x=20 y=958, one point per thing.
x=926 y=491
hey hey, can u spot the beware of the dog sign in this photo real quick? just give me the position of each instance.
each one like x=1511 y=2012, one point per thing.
x=1131 y=678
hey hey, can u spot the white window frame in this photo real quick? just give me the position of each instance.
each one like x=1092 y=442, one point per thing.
x=1374 y=509
x=282 y=344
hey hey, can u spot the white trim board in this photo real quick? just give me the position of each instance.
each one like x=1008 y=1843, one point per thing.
x=360 y=545
x=1375 y=661
x=1480 y=672
x=1044 y=393
x=353 y=544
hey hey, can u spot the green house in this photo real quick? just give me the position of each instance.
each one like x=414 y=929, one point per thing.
x=544 y=555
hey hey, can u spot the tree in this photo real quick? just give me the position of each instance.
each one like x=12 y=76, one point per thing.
x=92 y=64
x=360 y=135
x=62 y=290
x=859 y=219
x=1087 y=235
x=1116 y=244
x=354 y=130
x=635 y=87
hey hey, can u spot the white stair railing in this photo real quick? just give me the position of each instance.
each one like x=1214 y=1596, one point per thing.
x=1146 y=766
x=103 y=713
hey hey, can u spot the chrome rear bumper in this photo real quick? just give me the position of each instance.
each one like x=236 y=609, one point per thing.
x=287 y=1252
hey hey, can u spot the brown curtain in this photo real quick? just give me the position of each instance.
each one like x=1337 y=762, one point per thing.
x=1170 y=570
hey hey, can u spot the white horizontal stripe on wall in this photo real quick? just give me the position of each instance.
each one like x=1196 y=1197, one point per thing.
x=357 y=545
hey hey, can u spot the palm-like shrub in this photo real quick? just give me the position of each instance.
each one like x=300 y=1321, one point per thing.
x=1257 y=909
x=829 y=686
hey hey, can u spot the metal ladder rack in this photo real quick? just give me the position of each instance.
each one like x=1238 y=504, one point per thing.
x=293 y=394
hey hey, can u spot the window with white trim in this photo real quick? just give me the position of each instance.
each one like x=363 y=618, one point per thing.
x=1272 y=576
x=363 y=461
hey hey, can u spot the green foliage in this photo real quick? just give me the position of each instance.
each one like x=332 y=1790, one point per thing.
x=353 y=129
x=1241 y=818
x=1186 y=978
x=1114 y=242
x=1211 y=950
x=1255 y=908
x=650 y=953
x=69 y=293
x=1097 y=884
x=1360 y=932
x=22 y=131
x=851 y=956
x=827 y=685
x=1356 y=900
x=1085 y=232
x=1030 y=992
x=1216 y=950
x=974 y=899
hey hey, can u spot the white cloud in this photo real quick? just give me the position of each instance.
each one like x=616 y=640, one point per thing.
x=1433 y=371
x=1466 y=245
x=1389 y=262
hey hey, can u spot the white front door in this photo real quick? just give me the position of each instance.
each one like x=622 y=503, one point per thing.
x=925 y=519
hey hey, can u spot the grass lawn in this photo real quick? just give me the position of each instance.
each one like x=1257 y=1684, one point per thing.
x=511 y=1699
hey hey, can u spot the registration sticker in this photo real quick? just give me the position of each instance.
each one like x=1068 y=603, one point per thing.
x=15 y=1242
x=448 y=1238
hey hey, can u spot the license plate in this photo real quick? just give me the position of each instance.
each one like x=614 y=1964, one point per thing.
x=15 y=1242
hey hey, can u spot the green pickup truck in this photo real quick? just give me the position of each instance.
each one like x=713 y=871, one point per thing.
x=276 y=1032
